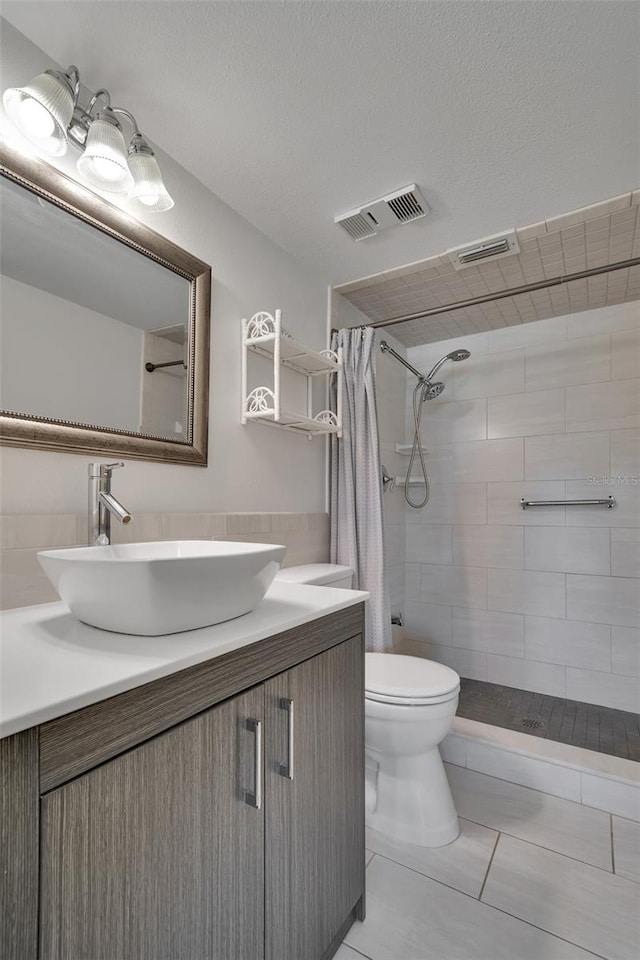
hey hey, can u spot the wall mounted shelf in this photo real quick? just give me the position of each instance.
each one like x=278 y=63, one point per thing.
x=404 y=449
x=413 y=482
x=264 y=335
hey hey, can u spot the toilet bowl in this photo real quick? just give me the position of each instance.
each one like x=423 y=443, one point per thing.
x=410 y=704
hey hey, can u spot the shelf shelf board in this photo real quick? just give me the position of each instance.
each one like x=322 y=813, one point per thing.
x=295 y=422
x=414 y=482
x=404 y=449
x=293 y=355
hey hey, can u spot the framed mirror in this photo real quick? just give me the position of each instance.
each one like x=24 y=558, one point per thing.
x=104 y=325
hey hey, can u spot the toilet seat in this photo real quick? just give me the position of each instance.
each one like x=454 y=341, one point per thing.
x=408 y=681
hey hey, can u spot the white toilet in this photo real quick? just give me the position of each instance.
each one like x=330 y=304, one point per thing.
x=410 y=704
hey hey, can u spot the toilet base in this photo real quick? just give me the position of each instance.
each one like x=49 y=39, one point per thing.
x=413 y=801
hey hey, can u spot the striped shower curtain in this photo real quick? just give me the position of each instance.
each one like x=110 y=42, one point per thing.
x=357 y=532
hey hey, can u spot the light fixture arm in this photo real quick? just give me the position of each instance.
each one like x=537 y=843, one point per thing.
x=100 y=94
x=130 y=117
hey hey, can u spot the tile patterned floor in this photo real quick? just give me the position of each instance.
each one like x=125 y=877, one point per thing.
x=554 y=718
x=531 y=877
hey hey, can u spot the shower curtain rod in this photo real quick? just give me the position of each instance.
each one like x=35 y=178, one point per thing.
x=513 y=292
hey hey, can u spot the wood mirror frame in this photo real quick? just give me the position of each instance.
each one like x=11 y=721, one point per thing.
x=43 y=433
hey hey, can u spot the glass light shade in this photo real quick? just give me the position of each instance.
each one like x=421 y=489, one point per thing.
x=104 y=161
x=42 y=111
x=149 y=193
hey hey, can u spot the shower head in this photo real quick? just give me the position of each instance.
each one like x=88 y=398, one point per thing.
x=455 y=355
x=432 y=390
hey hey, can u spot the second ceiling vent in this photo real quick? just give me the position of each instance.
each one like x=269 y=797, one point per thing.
x=402 y=206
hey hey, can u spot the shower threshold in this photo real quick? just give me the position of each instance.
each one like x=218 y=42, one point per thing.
x=587 y=725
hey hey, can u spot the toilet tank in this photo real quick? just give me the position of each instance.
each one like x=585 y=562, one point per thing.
x=323 y=574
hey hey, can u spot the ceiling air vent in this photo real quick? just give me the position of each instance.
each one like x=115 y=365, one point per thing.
x=402 y=206
x=490 y=248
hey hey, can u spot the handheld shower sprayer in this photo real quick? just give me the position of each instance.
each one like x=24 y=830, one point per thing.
x=425 y=389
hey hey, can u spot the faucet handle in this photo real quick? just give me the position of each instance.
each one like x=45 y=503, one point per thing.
x=103 y=469
x=109 y=467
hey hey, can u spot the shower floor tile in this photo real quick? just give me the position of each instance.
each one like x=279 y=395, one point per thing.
x=568 y=721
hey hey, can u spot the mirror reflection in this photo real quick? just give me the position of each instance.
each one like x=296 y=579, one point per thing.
x=92 y=331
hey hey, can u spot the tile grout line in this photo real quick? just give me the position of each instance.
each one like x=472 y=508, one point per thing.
x=613 y=853
x=532 y=843
x=490 y=906
x=486 y=876
x=365 y=955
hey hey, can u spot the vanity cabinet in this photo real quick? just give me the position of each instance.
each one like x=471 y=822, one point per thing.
x=314 y=830
x=234 y=833
x=156 y=855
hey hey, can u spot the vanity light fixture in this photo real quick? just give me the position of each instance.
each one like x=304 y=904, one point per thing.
x=48 y=113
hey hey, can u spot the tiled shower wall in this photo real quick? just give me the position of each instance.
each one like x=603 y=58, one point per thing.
x=546 y=599
x=22 y=581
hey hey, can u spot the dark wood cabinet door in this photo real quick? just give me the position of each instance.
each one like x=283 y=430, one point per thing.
x=157 y=855
x=314 y=812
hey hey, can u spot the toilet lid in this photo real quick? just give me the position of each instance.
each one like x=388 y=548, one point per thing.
x=395 y=677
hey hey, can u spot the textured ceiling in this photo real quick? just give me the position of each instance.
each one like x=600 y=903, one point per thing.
x=594 y=236
x=503 y=112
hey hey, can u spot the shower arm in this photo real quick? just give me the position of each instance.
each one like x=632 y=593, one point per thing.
x=384 y=346
x=435 y=368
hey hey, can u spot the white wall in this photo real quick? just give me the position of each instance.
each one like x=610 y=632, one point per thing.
x=58 y=359
x=251 y=468
x=546 y=599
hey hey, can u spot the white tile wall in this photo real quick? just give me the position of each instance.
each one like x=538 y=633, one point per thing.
x=489 y=375
x=488 y=630
x=488 y=460
x=429 y=622
x=451 y=503
x=526 y=591
x=603 y=320
x=527 y=414
x=625 y=647
x=625 y=354
x=547 y=599
x=566 y=456
x=607 y=689
x=457 y=419
x=614 y=405
x=526 y=675
x=625 y=453
x=568 y=642
x=568 y=549
x=468 y=663
x=614 y=600
x=584 y=360
x=429 y=543
x=457 y=586
x=625 y=553
x=488 y=546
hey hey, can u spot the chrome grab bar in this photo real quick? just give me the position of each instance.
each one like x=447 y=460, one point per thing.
x=609 y=501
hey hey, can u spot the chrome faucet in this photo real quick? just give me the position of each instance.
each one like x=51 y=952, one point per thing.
x=102 y=503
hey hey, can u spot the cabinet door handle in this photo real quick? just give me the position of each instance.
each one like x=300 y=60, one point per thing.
x=286 y=769
x=255 y=799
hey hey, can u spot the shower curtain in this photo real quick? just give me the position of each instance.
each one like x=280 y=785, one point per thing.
x=357 y=532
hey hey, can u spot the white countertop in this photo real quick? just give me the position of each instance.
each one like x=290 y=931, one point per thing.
x=52 y=664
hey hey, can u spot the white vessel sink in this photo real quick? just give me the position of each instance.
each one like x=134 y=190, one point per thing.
x=150 y=589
